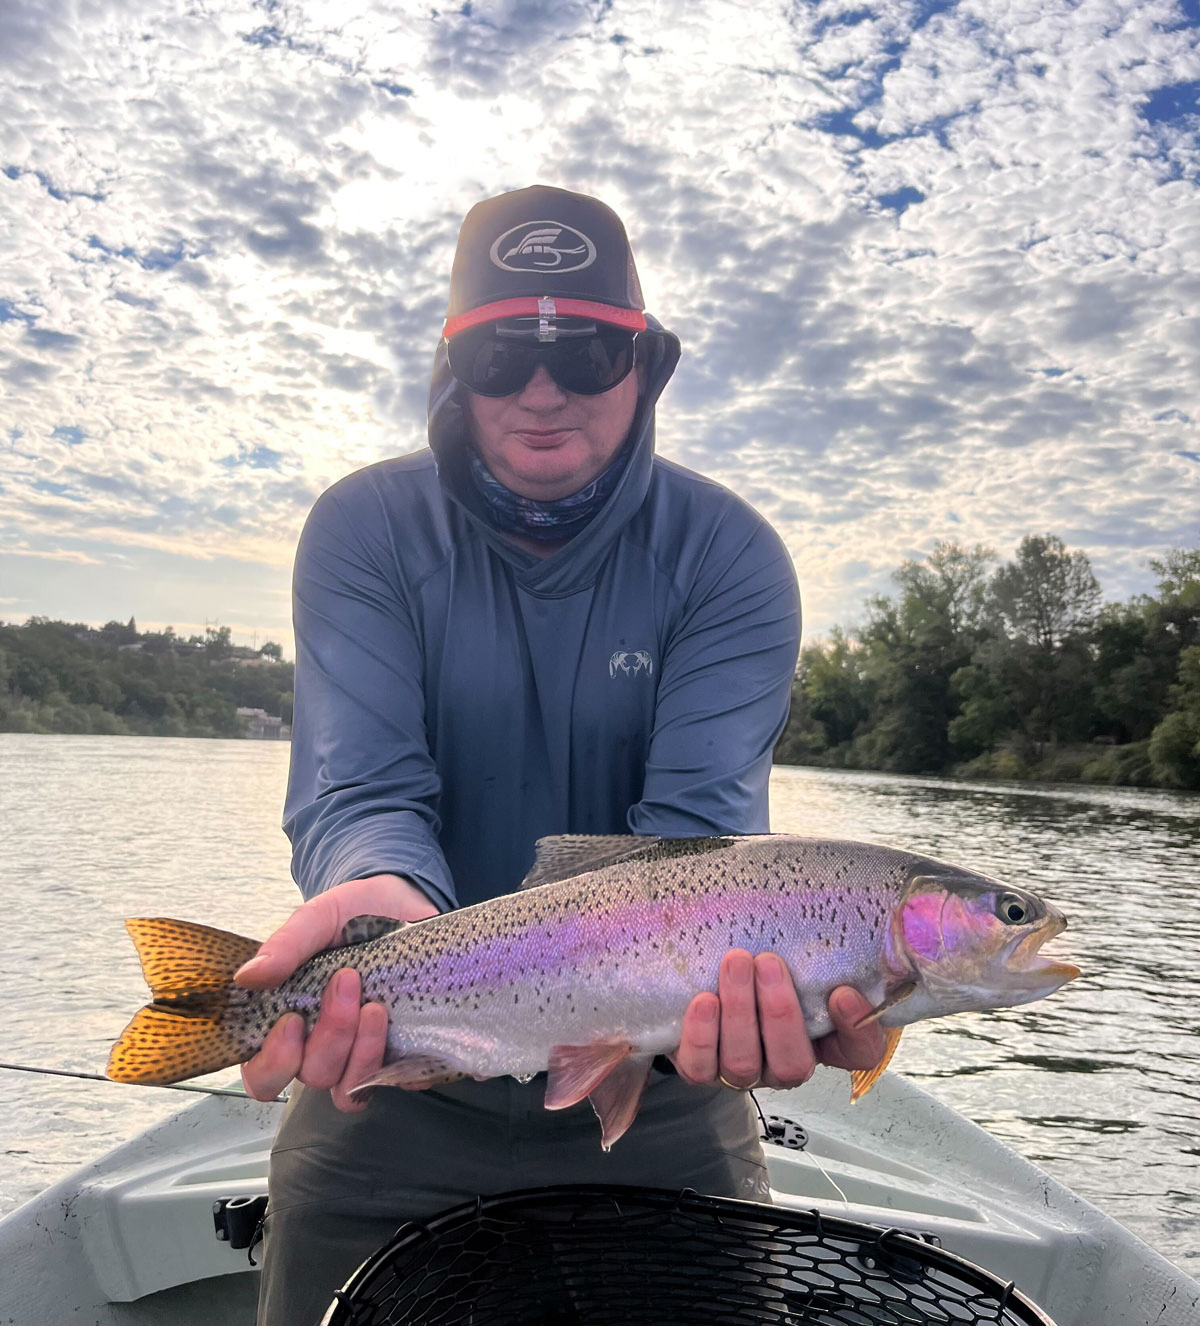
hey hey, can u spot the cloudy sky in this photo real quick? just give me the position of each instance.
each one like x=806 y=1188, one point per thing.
x=935 y=265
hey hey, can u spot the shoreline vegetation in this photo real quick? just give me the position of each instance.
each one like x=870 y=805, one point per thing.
x=114 y=680
x=1016 y=671
x=970 y=670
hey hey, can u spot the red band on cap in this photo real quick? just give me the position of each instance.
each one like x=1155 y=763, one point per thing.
x=629 y=318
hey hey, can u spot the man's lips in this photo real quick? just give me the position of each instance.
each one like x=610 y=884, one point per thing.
x=543 y=437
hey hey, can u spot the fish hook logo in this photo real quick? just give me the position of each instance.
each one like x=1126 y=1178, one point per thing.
x=631 y=662
x=540 y=246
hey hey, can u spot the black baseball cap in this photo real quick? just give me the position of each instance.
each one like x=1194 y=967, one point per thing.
x=543 y=252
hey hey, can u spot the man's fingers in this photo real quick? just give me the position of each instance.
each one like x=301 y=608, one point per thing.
x=846 y=1047
x=278 y=1062
x=308 y=930
x=696 y=1058
x=790 y=1059
x=366 y=1058
x=741 y=1053
x=332 y=1039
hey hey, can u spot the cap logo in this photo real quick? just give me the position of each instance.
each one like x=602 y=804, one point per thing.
x=543 y=246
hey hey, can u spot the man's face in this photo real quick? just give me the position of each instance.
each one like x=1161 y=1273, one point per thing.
x=544 y=442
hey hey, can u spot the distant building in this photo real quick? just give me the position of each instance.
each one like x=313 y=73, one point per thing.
x=258 y=725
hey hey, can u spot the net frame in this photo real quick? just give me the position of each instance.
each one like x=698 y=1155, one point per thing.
x=606 y=1255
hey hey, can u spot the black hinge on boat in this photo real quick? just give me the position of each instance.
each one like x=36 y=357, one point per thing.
x=902 y=1269
x=784 y=1132
x=236 y=1219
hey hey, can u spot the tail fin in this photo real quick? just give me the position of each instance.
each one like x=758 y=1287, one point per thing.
x=197 y=1022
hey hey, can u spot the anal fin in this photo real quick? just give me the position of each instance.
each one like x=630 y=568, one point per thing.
x=617 y=1098
x=863 y=1079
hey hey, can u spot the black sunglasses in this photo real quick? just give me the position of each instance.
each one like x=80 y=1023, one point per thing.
x=496 y=362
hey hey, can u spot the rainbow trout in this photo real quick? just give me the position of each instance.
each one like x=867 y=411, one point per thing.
x=586 y=972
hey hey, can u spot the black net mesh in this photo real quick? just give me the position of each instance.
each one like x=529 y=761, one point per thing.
x=608 y=1256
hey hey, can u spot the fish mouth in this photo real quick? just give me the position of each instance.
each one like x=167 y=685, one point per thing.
x=1027 y=959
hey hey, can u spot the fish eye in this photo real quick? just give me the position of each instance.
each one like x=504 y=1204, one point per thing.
x=1013 y=910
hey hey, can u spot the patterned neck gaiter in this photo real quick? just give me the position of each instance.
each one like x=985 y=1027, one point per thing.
x=562 y=518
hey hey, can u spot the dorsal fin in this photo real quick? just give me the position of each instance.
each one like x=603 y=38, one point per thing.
x=361 y=929
x=566 y=855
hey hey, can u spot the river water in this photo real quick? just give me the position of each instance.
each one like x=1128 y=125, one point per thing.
x=1100 y=1085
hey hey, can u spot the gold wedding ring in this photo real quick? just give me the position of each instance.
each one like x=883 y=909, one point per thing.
x=733 y=1086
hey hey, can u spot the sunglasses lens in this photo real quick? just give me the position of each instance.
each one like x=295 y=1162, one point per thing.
x=492 y=365
x=592 y=364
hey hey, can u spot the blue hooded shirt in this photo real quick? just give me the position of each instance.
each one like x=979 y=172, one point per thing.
x=458 y=698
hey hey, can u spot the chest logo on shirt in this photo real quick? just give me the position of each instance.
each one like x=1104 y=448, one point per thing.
x=631 y=662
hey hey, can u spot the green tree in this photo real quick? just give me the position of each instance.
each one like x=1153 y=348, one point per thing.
x=1048 y=600
x=218 y=641
x=1175 y=742
x=915 y=645
x=119 y=633
x=830 y=701
x=1179 y=594
x=1046 y=594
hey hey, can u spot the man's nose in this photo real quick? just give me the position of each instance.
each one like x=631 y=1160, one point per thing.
x=541 y=392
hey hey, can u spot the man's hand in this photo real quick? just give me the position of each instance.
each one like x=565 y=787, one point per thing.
x=754 y=1034
x=347 y=1043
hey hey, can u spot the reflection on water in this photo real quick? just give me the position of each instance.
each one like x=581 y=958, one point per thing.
x=1100 y=1084
x=96 y=829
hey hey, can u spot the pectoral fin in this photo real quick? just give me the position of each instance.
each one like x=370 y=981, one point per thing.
x=897 y=996
x=865 y=1078
x=617 y=1098
x=576 y=1070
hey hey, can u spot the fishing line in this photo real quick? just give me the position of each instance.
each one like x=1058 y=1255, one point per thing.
x=162 y=1086
x=804 y=1151
x=828 y=1178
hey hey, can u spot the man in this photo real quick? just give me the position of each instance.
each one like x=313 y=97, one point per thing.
x=535 y=627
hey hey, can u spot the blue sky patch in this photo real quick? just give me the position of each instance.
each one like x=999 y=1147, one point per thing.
x=10 y=313
x=62 y=195
x=266 y=36
x=71 y=434
x=259 y=458
x=901 y=200
x=842 y=122
x=1176 y=101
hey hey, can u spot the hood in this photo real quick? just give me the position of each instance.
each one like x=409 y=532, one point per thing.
x=574 y=566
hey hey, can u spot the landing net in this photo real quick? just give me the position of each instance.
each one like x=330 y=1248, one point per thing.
x=620 y=1256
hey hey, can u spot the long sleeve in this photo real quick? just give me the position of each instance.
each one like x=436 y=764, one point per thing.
x=363 y=790
x=724 y=691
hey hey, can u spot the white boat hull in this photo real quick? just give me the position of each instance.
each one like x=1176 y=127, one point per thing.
x=130 y=1238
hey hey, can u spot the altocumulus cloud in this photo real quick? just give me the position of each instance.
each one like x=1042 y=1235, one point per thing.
x=933 y=263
